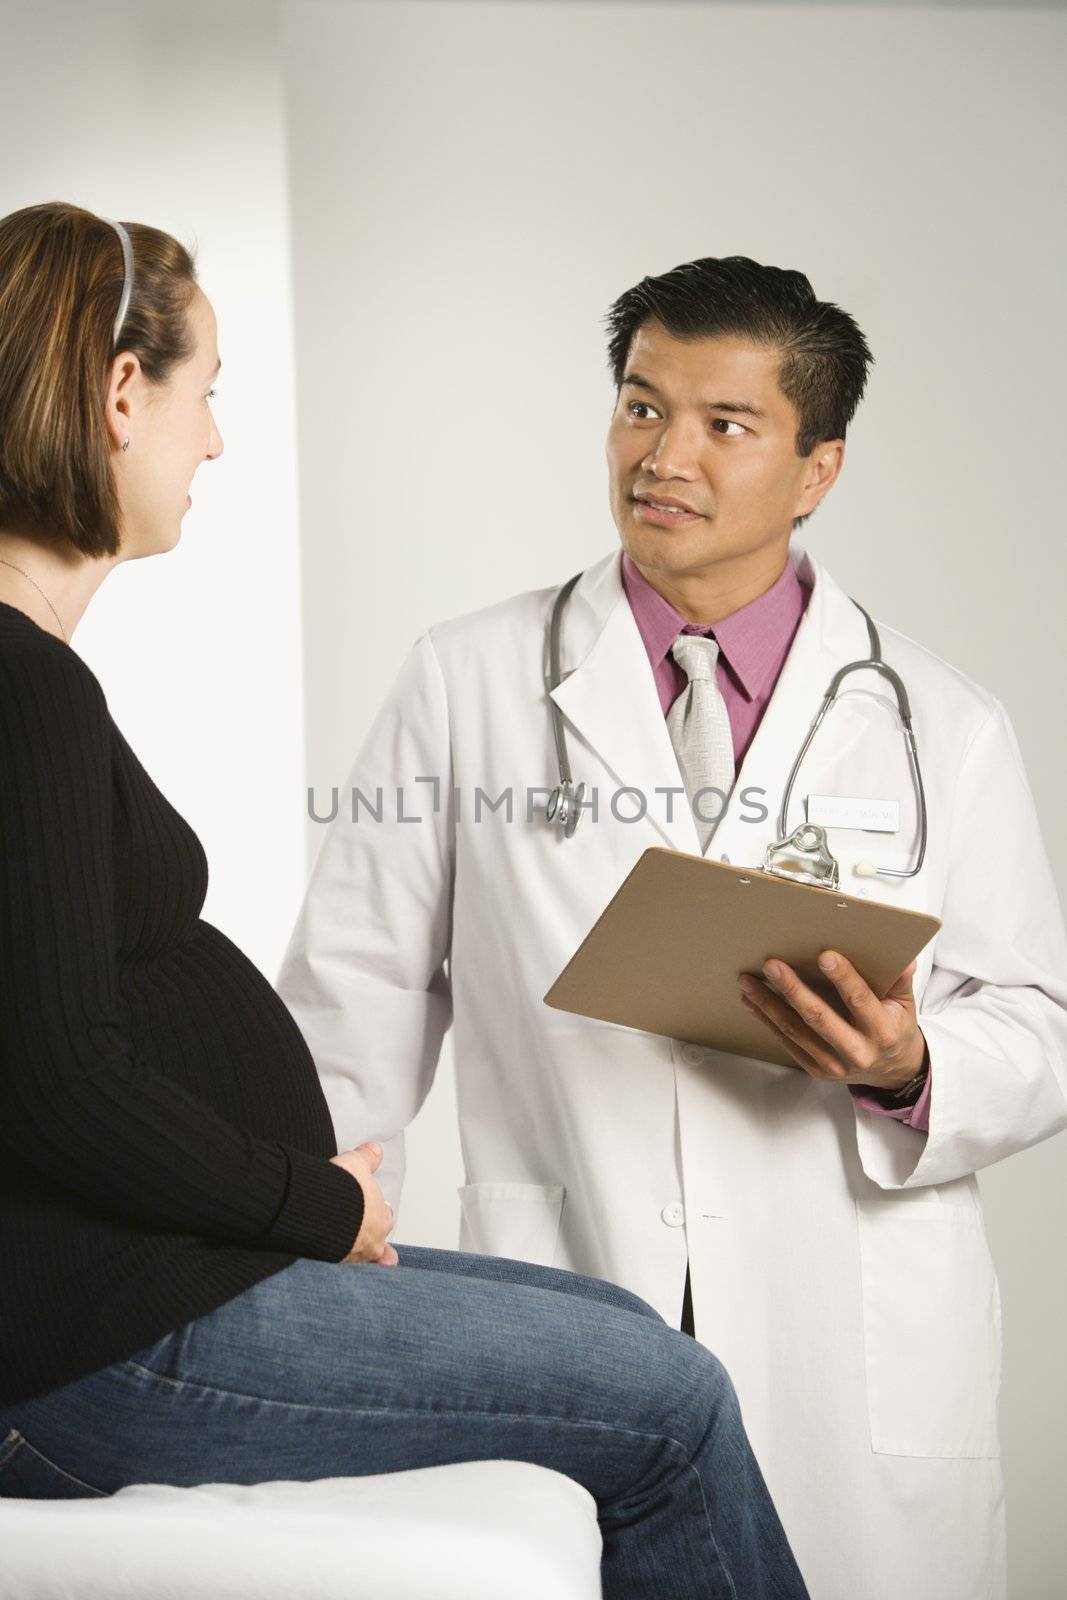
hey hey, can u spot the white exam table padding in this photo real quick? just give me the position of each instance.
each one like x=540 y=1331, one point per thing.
x=479 y=1530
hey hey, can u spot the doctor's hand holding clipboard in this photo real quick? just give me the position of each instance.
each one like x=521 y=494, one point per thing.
x=883 y=1047
x=662 y=954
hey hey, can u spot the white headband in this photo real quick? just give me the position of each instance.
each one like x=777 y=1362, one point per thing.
x=127 y=277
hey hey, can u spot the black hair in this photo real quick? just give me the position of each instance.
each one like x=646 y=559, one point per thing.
x=825 y=357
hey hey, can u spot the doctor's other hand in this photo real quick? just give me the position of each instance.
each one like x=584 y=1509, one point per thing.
x=372 y=1239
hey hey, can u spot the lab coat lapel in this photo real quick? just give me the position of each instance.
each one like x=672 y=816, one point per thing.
x=609 y=696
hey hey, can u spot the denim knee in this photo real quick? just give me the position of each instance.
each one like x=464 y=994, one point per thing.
x=715 y=1382
x=628 y=1301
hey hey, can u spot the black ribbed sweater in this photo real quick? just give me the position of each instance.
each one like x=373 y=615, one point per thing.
x=163 y=1132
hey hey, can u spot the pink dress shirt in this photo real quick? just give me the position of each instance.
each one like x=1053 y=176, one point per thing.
x=754 y=642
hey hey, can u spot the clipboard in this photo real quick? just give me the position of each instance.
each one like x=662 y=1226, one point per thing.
x=665 y=953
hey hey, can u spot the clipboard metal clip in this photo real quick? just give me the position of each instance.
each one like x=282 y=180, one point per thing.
x=803 y=855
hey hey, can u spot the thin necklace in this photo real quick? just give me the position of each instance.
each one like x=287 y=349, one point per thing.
x=42 y=594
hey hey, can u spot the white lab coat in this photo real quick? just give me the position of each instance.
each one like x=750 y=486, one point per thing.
x=840 y=1267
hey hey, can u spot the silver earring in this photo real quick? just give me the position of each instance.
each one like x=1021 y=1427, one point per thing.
x=125 y=444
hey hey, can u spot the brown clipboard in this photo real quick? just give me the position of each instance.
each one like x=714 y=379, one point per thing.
x=665 y=953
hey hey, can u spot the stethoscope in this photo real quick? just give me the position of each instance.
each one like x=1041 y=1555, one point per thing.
x=802 y=854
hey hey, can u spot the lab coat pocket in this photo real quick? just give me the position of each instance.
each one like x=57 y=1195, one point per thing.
x=520 y=1220
x=931 y=1327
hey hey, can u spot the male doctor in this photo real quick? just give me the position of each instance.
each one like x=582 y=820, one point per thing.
x=823 y=1217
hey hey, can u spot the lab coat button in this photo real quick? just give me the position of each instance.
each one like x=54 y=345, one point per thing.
x=693 y=1054
x=674 y=1214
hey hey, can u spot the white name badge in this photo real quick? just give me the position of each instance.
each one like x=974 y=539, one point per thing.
x=839 y=811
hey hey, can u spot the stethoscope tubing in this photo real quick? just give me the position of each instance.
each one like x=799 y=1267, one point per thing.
x=565 y=803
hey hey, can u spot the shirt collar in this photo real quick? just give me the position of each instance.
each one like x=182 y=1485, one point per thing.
x=753 y=639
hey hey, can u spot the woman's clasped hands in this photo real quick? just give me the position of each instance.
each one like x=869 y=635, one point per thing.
x=372 y=1240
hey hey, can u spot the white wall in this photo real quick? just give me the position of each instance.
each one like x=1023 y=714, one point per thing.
x=173 y=116
x=474 y=183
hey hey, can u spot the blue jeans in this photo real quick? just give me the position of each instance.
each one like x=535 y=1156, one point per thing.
x=331 y=1370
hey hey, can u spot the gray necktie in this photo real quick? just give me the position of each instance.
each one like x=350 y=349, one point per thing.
x=699 y=725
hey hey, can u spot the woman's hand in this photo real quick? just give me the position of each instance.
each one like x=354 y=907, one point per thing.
x=372 y=1240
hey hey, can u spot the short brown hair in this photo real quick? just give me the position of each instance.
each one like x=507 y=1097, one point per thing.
x=61 y=279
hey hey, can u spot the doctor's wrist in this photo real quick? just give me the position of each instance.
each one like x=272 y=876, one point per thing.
x=908 y=1093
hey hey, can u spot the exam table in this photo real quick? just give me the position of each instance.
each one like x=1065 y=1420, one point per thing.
x=480 y=1530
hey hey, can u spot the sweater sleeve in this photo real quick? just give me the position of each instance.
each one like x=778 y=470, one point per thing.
x=77 y=1102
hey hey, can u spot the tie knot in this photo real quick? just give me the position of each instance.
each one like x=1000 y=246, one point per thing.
x=696 y=654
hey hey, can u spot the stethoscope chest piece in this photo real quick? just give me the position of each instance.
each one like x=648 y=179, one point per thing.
x=565 y=806
x=805 y=855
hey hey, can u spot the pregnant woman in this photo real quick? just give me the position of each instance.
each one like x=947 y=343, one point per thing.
x=196 y=1286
